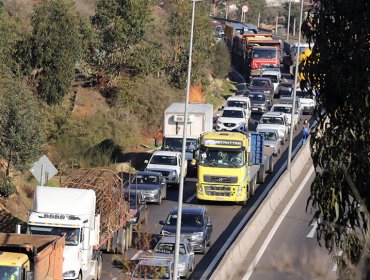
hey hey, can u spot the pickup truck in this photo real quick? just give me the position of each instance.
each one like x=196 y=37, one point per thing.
x=275 y=120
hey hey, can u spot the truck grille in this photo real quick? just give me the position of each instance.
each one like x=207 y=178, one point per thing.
x=212 y=192
x=220 y=179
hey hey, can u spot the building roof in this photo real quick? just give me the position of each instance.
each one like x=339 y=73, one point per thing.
x=192 y=108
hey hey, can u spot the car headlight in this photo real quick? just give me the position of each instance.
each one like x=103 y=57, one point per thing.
x=69 y=273
x=173 y=173
x=197 y=236
x=266 y=91
x=166 y=233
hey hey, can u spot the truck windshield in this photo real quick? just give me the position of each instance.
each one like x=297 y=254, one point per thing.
x=151 y=272
x=271 y=120
x=175 y=144
x=164 y=160
x=10 y=272
x=232 y=114
x=273 y=78
x=221 y=158
x=265 y=53
x=72 y=234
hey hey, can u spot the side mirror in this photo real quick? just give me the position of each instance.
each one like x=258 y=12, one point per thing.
x=146 y=161
x=161 y=223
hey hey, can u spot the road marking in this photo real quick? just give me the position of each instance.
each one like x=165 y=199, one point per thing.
x=276 y=225
x=312 y=232
x=337 y=255
x=191 y=198
x=137 y=255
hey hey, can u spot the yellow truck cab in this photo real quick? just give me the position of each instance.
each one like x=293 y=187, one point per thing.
x=227 y=168
x=13 y=266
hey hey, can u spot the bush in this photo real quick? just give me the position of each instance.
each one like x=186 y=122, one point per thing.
x=7 y=187
x=221 y=63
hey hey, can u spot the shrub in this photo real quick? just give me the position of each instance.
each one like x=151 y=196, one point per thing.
x=221 y=63
x=7 y=187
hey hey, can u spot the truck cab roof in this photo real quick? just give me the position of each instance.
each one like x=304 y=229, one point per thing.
x=166 y=153
x=12 y=259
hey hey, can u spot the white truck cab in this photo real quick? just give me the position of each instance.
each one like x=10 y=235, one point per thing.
x=168 y=163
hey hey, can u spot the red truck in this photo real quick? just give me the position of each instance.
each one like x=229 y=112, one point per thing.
x=253 y=52
x=25 y=256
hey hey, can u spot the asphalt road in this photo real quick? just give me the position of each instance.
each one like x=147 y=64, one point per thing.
x=225 y=217
x=293 y=251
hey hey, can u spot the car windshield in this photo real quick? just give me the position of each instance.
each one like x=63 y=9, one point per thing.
x=145 y=179
x=232 y=114
x=265 y=53
x=187 y=219
x=164 y=160
x=273 y=78
x=257 y=96
x=151 y=272
x=72 y=234
x=283 y=109
x=303 y=94
x=10 y=272
x=270 y=136
x=168 y=248
x=259 y=83
x=221 y=158
x=235 y=103
x=272 y=120
x=175 y=144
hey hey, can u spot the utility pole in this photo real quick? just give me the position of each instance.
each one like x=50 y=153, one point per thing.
x=288 y=29
x=295 y=90
x=276 y=23
x=258 y=20
x=294 y=20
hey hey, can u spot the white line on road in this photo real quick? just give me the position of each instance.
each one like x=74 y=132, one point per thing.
x=191 y=198
x=312 y=232
x=137 y=255
x=276 y=226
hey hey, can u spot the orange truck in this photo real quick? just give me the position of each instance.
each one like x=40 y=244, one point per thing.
x=254 y=52
x=25 y=256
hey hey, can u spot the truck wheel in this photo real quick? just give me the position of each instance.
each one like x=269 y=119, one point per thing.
x=271 y=166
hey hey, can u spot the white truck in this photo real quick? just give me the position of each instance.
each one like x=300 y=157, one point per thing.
x=92 y=213
x=200 y=120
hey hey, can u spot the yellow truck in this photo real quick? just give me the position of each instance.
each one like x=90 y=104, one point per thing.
x=230 y=164
x=27 y=257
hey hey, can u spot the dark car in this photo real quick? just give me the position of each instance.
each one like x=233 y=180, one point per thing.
x=242 y=89
x=196 y=226
x=265 y=85
x=152 y=185
x=286 y=90
x=137 y=205
x=259 y=102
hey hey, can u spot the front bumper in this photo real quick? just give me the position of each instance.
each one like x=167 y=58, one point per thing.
x=150 y=197
x=213 y=192
x=236 y=127
x=259 y=109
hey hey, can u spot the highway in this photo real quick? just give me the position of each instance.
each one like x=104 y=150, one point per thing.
x=225 y=217
x=289 y=250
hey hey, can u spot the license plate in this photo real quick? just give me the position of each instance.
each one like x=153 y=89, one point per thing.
x=254 y=109
x=220 y=198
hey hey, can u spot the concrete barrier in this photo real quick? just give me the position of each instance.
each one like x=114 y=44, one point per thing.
x=237 y=252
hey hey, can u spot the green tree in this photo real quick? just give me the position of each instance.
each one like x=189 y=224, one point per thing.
x=222 y=62
x=339 y=68
x=56 y=47
x=122 y=25
x=179 y=38
x=21 y=136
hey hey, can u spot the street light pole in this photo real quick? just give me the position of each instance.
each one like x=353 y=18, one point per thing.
x=290 y=7
x=183 y=152
x=295 y=88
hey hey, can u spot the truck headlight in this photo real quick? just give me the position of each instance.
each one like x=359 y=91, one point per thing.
x=240 y=190
x=197 y=236
x=69 y=273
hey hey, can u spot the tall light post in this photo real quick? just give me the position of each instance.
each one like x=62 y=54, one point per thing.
x=295 y=88
x=290 y=7
x=183 y=154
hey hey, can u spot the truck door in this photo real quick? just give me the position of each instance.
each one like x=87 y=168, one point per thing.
x=257 y=146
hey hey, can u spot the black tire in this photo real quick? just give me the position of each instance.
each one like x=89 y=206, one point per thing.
x=159 y=199
x=204 y=248
x=165 y=193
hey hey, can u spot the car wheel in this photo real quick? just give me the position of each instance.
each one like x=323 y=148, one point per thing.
x=204 y=248
x=159 y=199
x=165 y=193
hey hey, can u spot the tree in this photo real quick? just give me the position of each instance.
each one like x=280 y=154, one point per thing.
x=21 y=136
x=56 y=47
x=179 y=38
x=221 y=63
x=339 y=69
x=122 y=25
x=295 y=9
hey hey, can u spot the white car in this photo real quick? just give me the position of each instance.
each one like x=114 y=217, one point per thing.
x=168 y=163
x=240 y=101
x=232 y=119
x=275 y=76
x=286 y=108
x=308 y=102
x=278 y=121
x=271 y=139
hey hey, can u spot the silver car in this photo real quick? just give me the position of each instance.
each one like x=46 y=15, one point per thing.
x=166 y=247
x=271 y=139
